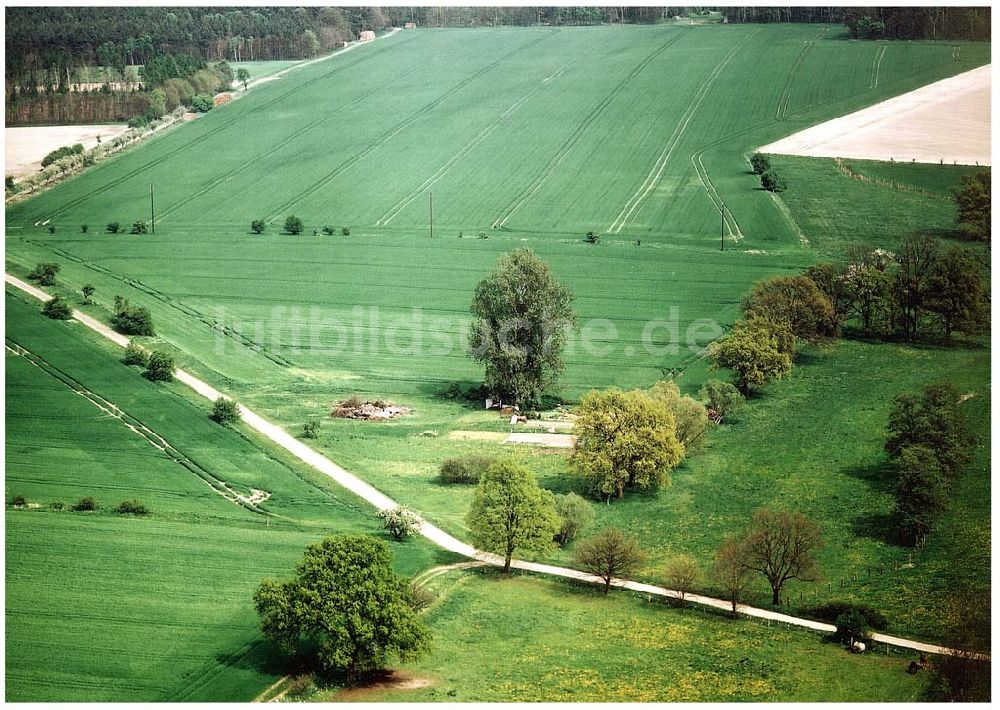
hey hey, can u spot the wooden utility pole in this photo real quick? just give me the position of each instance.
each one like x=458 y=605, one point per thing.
x=430 y=197
x=152 y=213
x=722 y=230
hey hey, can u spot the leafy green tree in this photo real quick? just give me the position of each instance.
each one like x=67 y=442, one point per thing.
x=293 y=225
x=58 y=308
x=609 y=554
x=113 y=227
x=796 y=301
x=345 y=611
x=84 y=505
x=755 y=352
x=243 y=76
x=760 y=163
x=84 y=228
x=722 y=400
x=868 y=285
x=682 y=573
x=921 y=492
x=829 y=278
x=44 y=274
x=690 y=416
x=624 y=440
x=772 y=182
x=911 y=286
x=131 y=320
x=974 y=201
x=964 y=676
x=852 y=626
x=139 y=227
x=575 y=515
x=202 y=103
x=257 y=226
x=521 y=314
x=225 y=411
x=399 y=522
x=779 y=545
x=159 y=367
x=956 y=293
x=510 y=512
x=87 y=291
x=933 y=420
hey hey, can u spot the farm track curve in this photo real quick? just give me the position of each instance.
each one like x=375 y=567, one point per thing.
x=359 y=487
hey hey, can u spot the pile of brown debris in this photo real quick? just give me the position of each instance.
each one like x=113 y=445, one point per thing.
x=378 y=410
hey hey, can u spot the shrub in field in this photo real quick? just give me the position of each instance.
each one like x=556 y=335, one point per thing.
x=84 y=505
x=310 y=430
x=575 y=515
x=58 y=308
x=974 y=202
x=113 y=227
x=60 y=153
x=87 y=291
x=131 y=320
x=52 y=229
x=301 y=685
x=225 y=411
x=831 y=611
x=84 y=228
x=721 y=399
x=593 y=238
x=135 y=355
x=44 y=274
x=9 y=184
x=131 y=507
x=58 y=505
x=201 y=103
x=796 y=301
x=399 y=522
x=345 y=231
x=760 y=163
x=756 y=351
x=851 y=627
x=18 y=501
x=137 y=122
x=420 y=597
x=159 y=367
x=293 y=225
x=139 y=227
x=772 y=182
x=257 y=226
x=464 y=469
x=328 y=230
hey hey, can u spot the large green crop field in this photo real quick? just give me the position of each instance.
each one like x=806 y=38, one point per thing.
x=524 y=137
x=106 y=607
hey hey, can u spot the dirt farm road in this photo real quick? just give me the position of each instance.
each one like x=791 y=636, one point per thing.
x=439 y=537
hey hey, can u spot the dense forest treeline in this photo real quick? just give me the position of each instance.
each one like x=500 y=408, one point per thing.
x=968 y=23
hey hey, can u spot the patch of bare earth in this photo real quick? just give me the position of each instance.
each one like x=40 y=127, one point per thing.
x=381 y=682
x=944 y=122
x=25 y=147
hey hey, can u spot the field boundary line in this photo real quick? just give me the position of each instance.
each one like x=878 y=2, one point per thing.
x=399 y=128
x=659 y=166
x=436 y=535
x=568 y=145
x=482 y=135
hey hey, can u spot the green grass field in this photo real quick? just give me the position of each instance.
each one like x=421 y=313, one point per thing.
x=526 y=137
x=106 y=607
x=528 y=640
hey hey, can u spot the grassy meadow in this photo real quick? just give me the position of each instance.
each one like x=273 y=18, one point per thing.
x=526 y=137
x=526 y=640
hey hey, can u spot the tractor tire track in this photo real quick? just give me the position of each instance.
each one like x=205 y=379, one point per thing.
x=211 y=323
x=482 y=135
x=398 y=128
x=137 y=427
x=278 y=146
x=659 y=166
x=126 y=176
x=550 y=167
x=876 y=65
x=786 y=91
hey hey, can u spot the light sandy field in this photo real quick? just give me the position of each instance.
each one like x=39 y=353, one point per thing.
x=24 y=148
x=947 y=121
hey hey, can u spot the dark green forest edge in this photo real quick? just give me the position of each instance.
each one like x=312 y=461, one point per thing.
x=153 y=60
